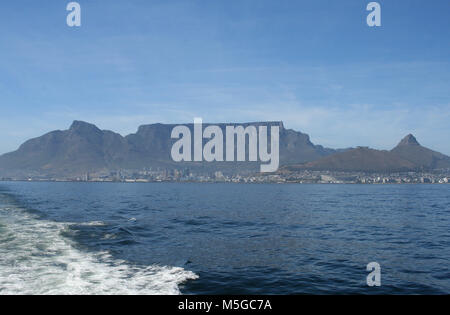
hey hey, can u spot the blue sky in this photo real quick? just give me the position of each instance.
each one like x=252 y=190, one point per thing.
x=315 y=65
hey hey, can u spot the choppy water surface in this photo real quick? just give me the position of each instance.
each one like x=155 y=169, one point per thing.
x=167 y=238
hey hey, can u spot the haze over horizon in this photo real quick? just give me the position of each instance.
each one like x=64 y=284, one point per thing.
x=315 y=65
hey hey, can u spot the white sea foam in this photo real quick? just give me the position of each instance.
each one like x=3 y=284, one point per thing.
x=92 y=223
x=36 y=259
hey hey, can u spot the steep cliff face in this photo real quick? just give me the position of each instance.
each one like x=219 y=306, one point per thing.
x=84 y=148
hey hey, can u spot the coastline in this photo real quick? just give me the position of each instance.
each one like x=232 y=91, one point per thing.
x=211 y=182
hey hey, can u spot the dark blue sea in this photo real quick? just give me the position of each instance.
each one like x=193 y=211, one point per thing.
x=172 y=238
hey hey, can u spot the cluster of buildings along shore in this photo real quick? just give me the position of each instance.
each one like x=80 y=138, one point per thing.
x=302 y=177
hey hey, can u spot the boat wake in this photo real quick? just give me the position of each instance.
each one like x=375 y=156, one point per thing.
x=36 y=259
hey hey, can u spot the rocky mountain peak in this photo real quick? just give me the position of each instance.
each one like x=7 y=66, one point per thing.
x=81 y=126
x=409 y=140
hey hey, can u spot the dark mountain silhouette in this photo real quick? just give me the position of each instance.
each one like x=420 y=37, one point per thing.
x=409 y=140
x=360 y=159
x=86 y=148
x=410 y=150
x=408 y=155
x=82 y=147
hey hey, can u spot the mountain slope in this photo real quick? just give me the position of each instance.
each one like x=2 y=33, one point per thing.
x=360 y=159
x=406 y=156
x=410 y=149
x=86 y=148
x=83 y=147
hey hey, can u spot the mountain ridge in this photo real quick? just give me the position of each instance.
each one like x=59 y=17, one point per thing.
x=85 y=148
x=408 y=155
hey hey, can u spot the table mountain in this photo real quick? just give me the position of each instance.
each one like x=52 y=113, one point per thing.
x=85 y=148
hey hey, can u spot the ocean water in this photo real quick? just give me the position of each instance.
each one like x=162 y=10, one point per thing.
x=170 y=238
